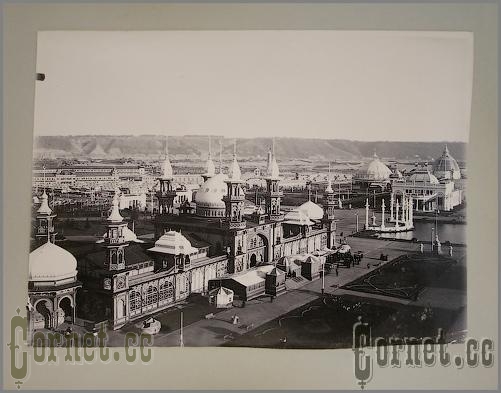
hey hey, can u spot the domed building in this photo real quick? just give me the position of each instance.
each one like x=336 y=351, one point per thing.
x=52 y=286
x=423 y=176
x=209 y=197
x=374 y=174
x=446 y=166
x=429 y=194
x=312 y=210
x=197 y=249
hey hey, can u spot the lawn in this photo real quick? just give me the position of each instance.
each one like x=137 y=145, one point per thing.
x=328 y=324
x=407 y=275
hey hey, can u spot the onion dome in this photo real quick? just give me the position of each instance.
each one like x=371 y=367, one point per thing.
x=44 y=206
x=51 y=263
x=446 y=167
x=115 y=212
x=297 y=217
x=376 y=170
x=173 y=243
x=209 y=197
x=312 y=210
x=423 y=176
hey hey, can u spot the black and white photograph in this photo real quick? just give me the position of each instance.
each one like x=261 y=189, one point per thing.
x=265 y=188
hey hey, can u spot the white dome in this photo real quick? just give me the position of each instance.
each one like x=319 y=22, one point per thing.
x=446 y=166
x=423 y=176
x=173 y=243
x=211 y=193
x=312 y=210
x=51 y=263
x=376 y=170
x=297 y=217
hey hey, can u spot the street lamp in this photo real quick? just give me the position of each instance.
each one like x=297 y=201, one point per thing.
x=432 y=230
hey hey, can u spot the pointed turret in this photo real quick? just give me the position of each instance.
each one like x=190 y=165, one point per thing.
x=167 y=193
x=273 y=193
x=234 y=170
x=167 y=172
x=45 y=228
x=44 y=205
x=210 y=168
x=115 y=212
x=114 y=241
x=234 y=199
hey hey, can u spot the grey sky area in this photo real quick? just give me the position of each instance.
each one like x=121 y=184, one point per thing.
x=402 y=86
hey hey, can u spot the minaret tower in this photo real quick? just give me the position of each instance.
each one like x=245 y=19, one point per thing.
x=328 y=219
x=273 y=194
x=167 y=193
x=115 y=239
x=234 y=199
x=210 y=169
x=45 y=226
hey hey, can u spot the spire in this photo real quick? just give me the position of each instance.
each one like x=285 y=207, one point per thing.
x=115 y=213
x=167 y=172
x=210 y=168
x=375 y=156
x=329 y=189
x=446 y=150
x=235 y=172
x=273 y=172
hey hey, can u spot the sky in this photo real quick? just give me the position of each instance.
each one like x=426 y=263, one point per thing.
x=358 y=85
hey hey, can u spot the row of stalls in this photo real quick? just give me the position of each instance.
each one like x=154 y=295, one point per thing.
x=263 y=280
x=270 y=279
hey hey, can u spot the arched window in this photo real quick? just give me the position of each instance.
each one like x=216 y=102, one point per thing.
x=151 y=296
x=135 y=301
x=166 y=291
